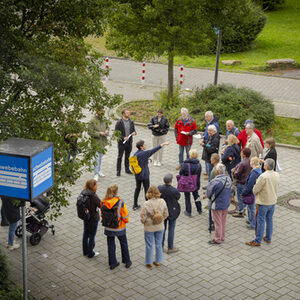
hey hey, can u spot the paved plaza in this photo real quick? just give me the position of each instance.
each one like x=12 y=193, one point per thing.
x=57 y=269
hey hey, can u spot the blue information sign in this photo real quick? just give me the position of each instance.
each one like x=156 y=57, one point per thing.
x=26 y=168
x=14 y=177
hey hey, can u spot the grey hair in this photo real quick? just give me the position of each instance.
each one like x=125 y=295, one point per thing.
x=168 y=178
x=220 y=168
x=209 y=113
x=230 y=121
x=184 y=109
x=250 y=125
x=212 y=127
x=270 y=163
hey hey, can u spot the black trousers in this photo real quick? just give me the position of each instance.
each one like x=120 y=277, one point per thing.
x=127 y=147
x=146 y=183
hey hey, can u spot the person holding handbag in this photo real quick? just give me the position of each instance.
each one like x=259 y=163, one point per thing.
x=247 y=192
x=154 y=212
x=218 y=192
x=192 y=166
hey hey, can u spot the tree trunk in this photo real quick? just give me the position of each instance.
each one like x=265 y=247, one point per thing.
x=170 y=77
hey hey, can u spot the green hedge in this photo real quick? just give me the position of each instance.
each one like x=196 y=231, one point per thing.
x=8 y=291
x=270 y=5
x=229 y=102
x=239 y=35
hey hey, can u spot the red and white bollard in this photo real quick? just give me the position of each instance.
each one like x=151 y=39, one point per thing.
x=181 y=75
x=144 y=73
x=106 y=67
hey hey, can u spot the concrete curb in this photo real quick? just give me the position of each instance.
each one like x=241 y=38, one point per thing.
x=212 y=69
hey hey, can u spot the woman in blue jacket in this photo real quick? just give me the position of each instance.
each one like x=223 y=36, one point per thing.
x=231 y=156
x=248 y=189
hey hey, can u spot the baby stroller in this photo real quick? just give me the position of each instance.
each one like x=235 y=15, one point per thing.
x=35 y=221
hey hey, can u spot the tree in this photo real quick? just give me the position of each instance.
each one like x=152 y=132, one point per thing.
x=143 y=29
x=146 y=28
x=49 y=78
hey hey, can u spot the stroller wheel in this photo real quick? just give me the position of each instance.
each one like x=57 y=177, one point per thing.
x=19 y=231
x=35 y=239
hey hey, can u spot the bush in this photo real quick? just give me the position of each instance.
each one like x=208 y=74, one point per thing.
x=239 y=35
x=7 y=290
x=270 y=5
x=231 y=103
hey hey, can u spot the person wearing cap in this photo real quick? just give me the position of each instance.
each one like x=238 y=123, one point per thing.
x=243 y=136
x=171 y=195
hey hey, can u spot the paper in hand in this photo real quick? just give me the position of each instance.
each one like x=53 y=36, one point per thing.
x=127 y=139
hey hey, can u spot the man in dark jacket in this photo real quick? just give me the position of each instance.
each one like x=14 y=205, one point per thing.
x=209 y=147
x=144 y=176
x=210 y=119
x=240 y=173
x=218 y=192
x=171 y=195
x=126 y=127
x=159 y=125
x=12 y=213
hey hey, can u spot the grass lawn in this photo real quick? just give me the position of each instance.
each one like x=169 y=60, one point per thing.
x=283 y=128
x=279 y=39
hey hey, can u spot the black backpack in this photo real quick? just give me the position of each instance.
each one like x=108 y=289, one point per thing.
x=83 y=204
x=110 y=216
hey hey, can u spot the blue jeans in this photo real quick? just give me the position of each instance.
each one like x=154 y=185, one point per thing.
x=181 y=150
x=111 y=245
x=98 y=160
x=88 y=239
x=3 y=217
x=187 y=197
x=264 y=215
x=149 y=240
x=171 y=232
x=208 y=169
x=239 y=189
x=11 y=232
x=251 y=214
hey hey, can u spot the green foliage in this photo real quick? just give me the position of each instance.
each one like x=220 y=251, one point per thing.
x=270 y=5
x=231 y=103
x=49 y=79
x=7 y=290
x=162 y=97
x=240 y=33
x=240 y=22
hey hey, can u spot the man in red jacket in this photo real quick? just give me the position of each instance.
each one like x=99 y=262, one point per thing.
x=185 y=127
x=243 y=136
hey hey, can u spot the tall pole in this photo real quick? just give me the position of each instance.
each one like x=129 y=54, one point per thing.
x=24 y=252
x=218 y=56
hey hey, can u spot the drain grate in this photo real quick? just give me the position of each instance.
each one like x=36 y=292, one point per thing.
x=290 y=200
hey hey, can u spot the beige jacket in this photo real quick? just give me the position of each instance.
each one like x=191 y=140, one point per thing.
x=254 y=144
x=266 y=188
x=148 y=212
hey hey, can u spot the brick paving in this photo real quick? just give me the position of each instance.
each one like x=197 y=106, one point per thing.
x=57 y=270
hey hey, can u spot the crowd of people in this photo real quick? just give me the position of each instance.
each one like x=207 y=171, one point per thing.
x=239 y=171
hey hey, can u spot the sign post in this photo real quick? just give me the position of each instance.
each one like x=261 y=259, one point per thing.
x=219 y=33
x=26 y=172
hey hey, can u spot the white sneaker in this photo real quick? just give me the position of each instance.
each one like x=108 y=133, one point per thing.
x=155 y=163
x=158 y=164
x=96 y=254
x=13 y=247
x=101 y=174
x=96 y=177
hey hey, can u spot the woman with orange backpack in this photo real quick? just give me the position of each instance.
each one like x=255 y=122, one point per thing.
x=115 y=215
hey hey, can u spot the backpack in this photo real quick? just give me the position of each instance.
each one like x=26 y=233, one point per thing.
x=82 y=204
x=157 y=217
x=134 y=165
x=110 y=216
